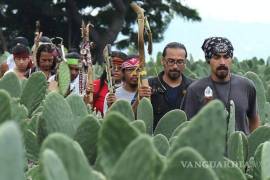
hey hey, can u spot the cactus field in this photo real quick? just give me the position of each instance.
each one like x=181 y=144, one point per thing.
x=46 y=136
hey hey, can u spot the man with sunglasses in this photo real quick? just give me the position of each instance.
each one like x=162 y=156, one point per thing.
x=169 y=87
x=223 y=85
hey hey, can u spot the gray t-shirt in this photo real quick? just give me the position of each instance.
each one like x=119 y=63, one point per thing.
x=239 y=89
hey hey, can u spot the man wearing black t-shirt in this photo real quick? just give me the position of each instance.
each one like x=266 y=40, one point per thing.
x=169 y=87
x=223 y=85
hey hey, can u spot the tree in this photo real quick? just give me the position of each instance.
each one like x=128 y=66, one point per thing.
x=110 y=17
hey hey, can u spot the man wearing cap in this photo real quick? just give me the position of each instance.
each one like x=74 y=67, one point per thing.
x=223 y=85
x=21 y=56
x=101 y=86
x=127 y=91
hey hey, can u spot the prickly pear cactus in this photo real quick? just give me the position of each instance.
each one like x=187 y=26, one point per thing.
x=182 y=166
x=231 y=123
x=267 y=113
x=139 y=125
x=57 y=115
x=124 y=108
x=190 y=74
x=179 y=128
x=140 y=157
x=11 y=152
x=31 y=145
x=145 y=113
x=53 y=168
x=87 y=136
x=71 y=155
x=11 y=84
x=258 y=136
x=18 y=111
x=255 y=168
x=63 y=78
x=115 y=135
x=161 y=144
x=238 y=148
x=206 y=129
x=77 y=105
x=78 y=108
x=169 y=122
x=265 y=161
x=229 y=170
x=5 y=106
x=34 y=91
x=260 y=91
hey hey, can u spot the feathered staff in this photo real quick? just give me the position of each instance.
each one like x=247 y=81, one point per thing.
x=86 y=59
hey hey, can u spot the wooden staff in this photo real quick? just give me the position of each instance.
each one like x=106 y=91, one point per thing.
x=38 y=35
x=86 y=58
x=108 y=61
x=143 y=26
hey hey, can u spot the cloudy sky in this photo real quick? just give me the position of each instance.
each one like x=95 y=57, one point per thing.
x=245 y=22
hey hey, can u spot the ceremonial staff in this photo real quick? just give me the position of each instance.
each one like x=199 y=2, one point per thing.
x=86 y=59
x=143 y=26
x=108 y=64
x=38 y=35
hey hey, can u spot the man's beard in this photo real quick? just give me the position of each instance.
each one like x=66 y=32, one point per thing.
x=174 y=74
x=133 y=85
x=118 y=81
x=133 y=82
x=222 y=72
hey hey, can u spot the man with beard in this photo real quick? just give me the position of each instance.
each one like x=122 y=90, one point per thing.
x=46 y=60
x=223 y=85
x=169 y=87
x=128 y=89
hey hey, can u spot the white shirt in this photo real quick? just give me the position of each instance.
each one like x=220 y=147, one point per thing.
x=74 y=86
x=120 y=93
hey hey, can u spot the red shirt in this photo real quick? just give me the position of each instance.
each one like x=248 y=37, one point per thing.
x=99 y=100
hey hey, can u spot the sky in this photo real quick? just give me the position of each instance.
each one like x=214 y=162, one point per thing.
x=246 y=23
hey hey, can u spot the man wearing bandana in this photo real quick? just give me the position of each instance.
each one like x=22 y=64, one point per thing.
x=128 y=90
x=73 y=61
x=223 y=85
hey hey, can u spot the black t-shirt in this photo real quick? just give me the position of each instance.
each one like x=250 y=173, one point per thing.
x=172 y=95
x=239 y=89
x=165 y=98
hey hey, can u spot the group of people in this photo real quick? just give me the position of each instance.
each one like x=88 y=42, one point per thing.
x=171 y=89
